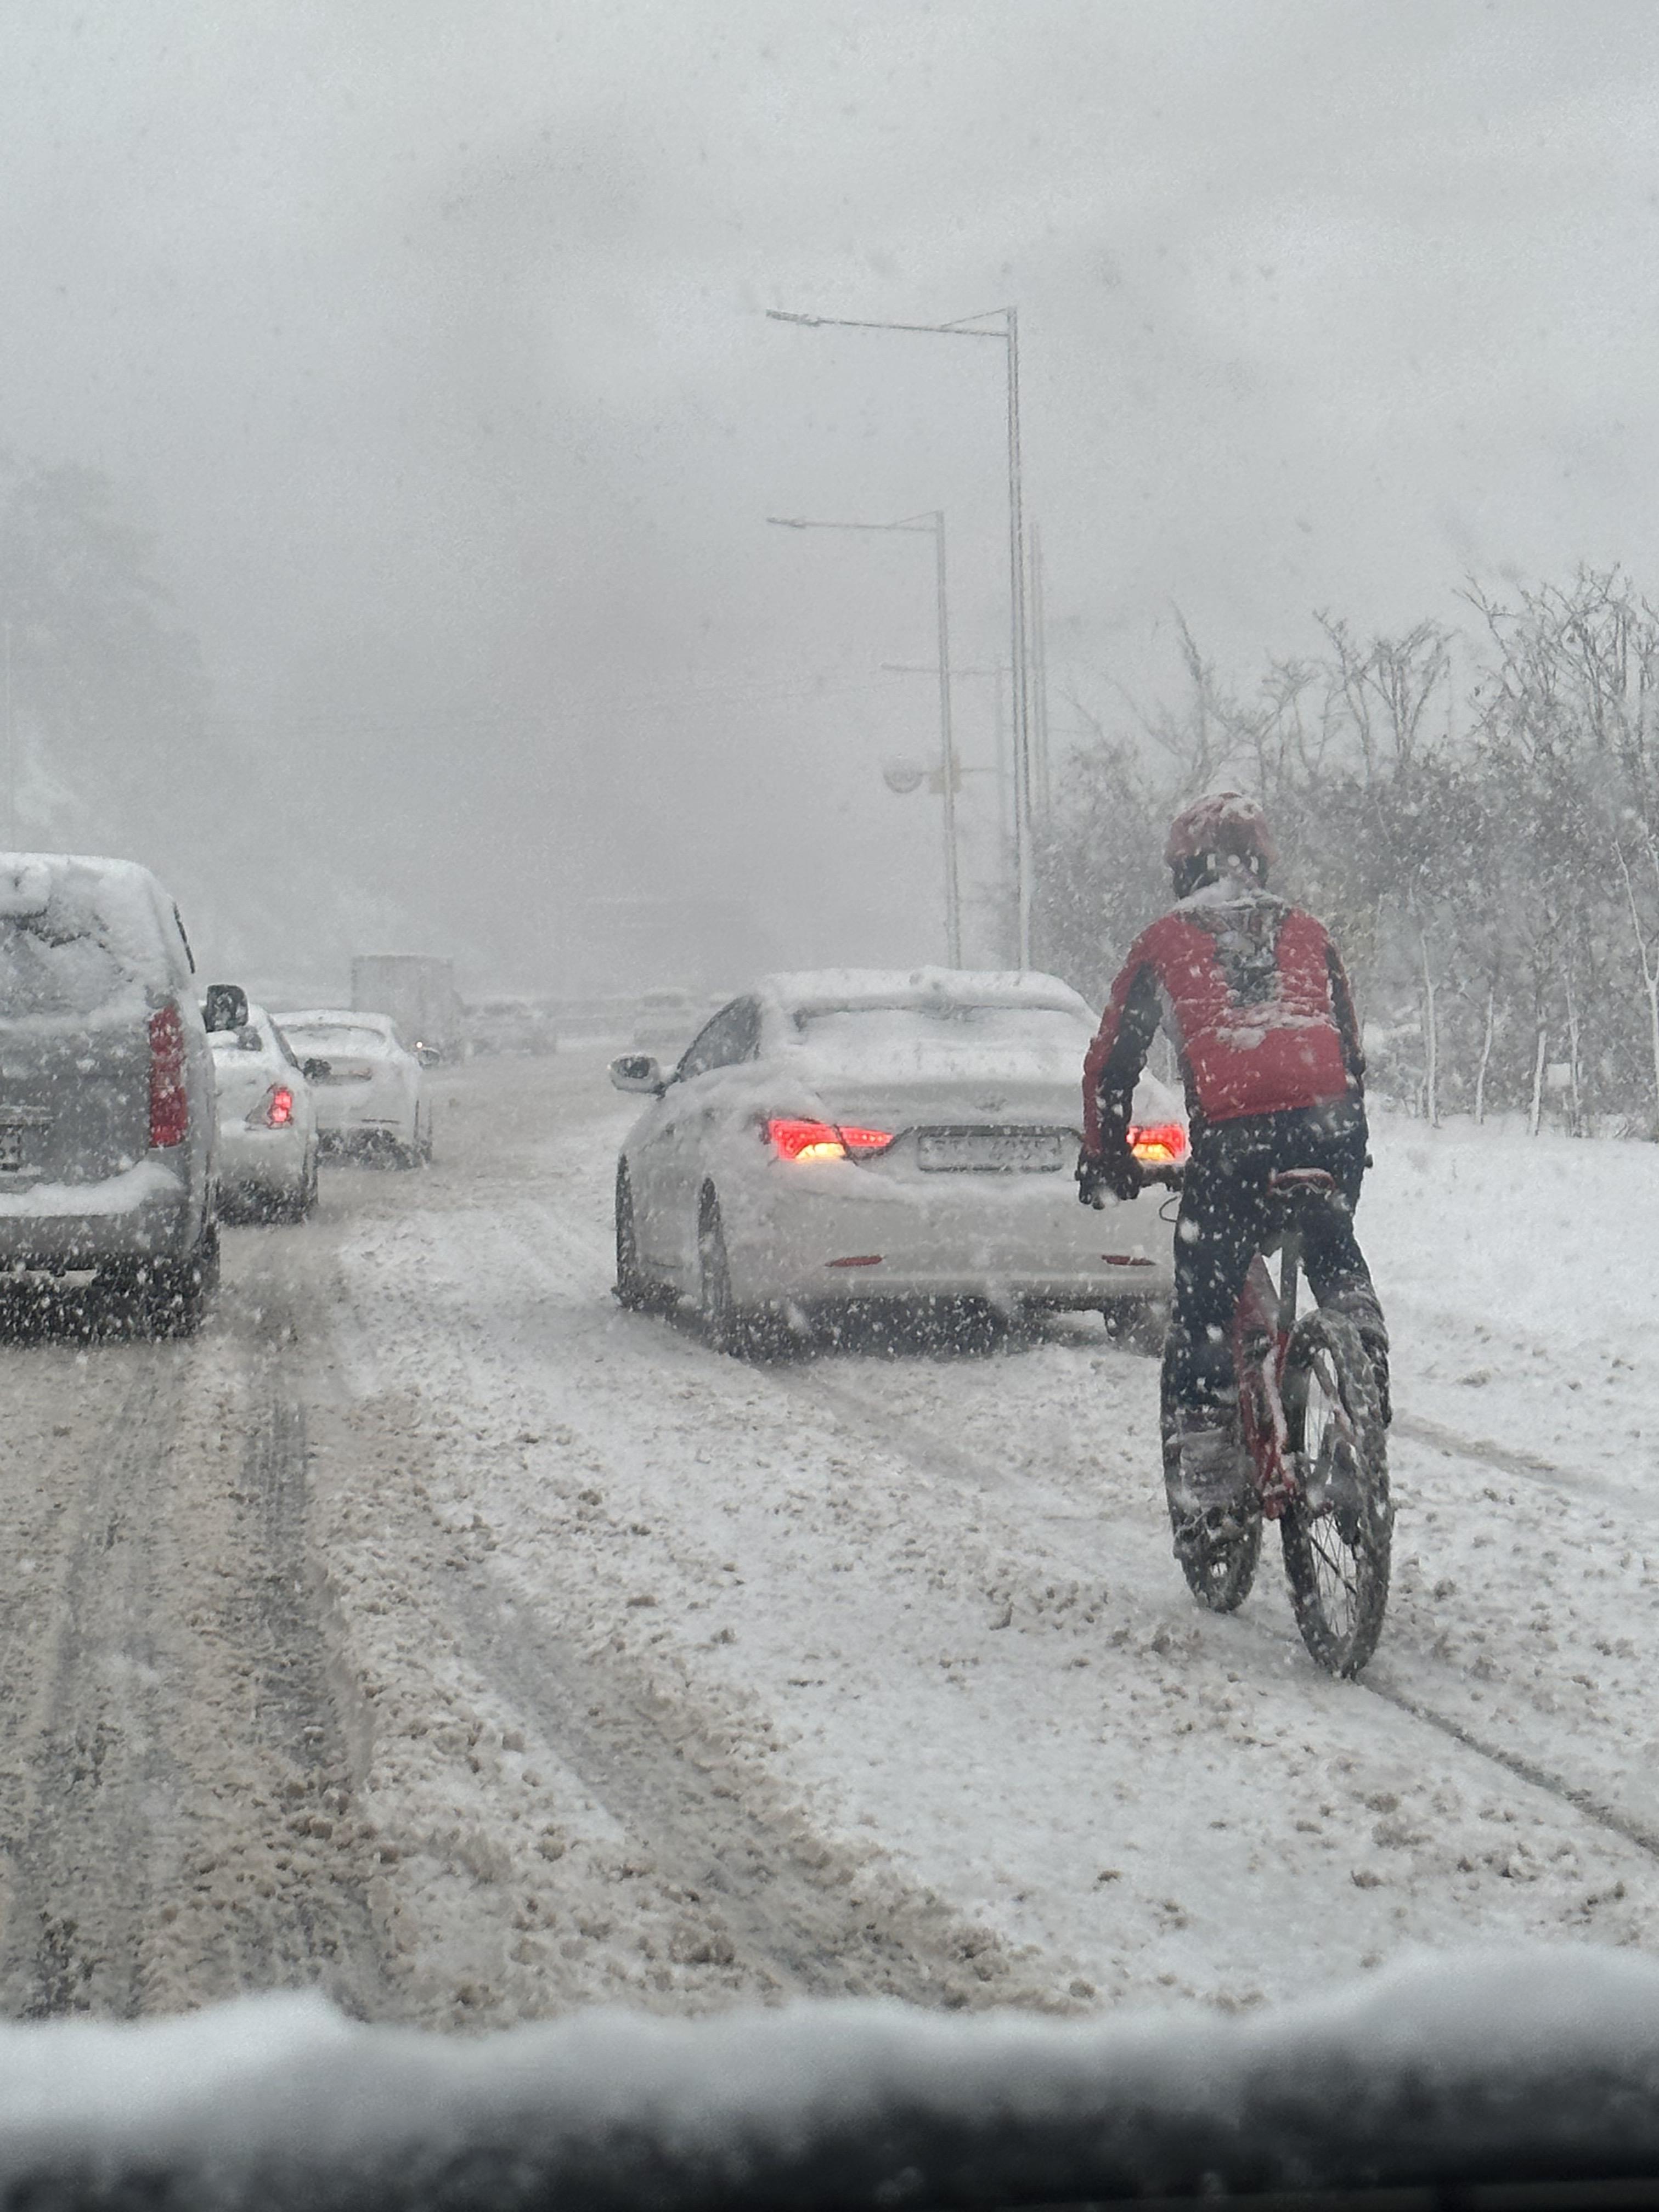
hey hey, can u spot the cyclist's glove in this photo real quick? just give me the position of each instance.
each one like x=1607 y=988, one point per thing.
x=1118 y=1172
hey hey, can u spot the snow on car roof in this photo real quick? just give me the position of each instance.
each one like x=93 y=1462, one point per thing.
x=823 y=989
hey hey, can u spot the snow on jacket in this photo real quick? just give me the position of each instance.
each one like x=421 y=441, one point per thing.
x=1251 y=991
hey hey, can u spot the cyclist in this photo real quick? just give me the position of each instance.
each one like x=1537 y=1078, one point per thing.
x=1253 y=994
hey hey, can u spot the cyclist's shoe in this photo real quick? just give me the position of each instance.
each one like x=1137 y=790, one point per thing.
x=1359 y=1305
x=1375 y=1342
x=1206 y=1470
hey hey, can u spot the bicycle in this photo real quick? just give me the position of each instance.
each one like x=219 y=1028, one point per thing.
x=1311 y=1418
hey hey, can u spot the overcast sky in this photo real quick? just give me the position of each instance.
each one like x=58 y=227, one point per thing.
x=430 y=342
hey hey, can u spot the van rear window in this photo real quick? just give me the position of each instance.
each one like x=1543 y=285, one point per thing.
x=62 y=959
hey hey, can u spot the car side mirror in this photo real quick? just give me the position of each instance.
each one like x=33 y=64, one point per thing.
x=637 y=1071
x=316 y=1071
x=224 y=1007
x=427 y=1054
x=248 y=1039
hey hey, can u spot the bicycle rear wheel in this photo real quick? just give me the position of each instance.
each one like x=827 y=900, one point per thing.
x=1337 y=1536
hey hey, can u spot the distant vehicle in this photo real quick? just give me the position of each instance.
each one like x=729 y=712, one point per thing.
x=509 y=1025
x=267 y=1121
x=832 y=1139
x=108 y=1133
x=418 y=996
x=367 y=1087
x=667 y=1020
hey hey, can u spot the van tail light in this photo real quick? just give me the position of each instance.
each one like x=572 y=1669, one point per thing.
x=169 y=1100
x=1163 y=1145
x=275 y=1111
x=823 y=1141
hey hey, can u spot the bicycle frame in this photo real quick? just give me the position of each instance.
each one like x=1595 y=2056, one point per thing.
x=1261 y=1334
x=1262 y=1323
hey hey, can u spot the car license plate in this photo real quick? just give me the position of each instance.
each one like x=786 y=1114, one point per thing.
x=1015 y=1151
x=11 y=1152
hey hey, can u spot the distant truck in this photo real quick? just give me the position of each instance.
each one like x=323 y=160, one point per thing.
x=418 y=994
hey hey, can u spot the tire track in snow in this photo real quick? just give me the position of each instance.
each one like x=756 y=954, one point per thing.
x=954 y=1461
x=792 y=1907
x=323 y=1928
x=1526 y=1467
x=98 y=1770
x=801 y=1915
x=174 y=1738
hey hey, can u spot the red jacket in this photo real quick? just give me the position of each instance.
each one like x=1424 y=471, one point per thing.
x=1254 y=996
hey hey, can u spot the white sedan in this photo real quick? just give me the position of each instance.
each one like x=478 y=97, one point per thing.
x=836 y=1137
x=369 y=1091
x=267 y=1122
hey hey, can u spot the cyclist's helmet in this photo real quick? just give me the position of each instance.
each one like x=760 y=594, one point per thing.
x=1222 y=830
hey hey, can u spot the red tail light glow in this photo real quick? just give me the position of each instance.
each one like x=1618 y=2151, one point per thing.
x=275 y=1111
x=823 y=1141
x=169 y=1100
x=1162 y=1146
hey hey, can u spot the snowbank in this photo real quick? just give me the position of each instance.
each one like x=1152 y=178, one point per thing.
x=1484 y=2066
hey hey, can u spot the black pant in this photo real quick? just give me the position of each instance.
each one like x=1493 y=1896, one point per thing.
x=1227 y=1216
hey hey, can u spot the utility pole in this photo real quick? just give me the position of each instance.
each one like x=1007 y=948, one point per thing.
x=1043 y=789
x=11 y=756
x=935 y=521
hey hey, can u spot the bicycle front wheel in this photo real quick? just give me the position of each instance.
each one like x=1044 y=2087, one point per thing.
x=1338 y=1534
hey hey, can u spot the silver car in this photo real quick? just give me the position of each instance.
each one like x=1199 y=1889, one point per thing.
x=108 y=1132
x=836 y=1138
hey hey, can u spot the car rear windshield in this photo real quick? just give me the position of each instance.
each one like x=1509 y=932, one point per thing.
x=950 y=1038
x=66 y=958
x=326 y=1037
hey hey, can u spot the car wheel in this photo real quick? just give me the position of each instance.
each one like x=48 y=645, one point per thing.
x=300 y=1206
x=1136 y=1323
x=717 y=1306
x=630 y=1290
x=728 y=1326
x=176 y=1297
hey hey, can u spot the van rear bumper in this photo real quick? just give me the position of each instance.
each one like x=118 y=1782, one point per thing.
x=148 y=1212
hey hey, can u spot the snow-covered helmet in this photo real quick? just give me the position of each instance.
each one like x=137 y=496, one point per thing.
x=1222 y=826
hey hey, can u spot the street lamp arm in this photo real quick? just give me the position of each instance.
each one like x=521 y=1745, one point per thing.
x=915 y=527
x=858 y=323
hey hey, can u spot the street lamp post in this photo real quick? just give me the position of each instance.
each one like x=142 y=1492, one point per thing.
x=915 y=524
x=1019 y=685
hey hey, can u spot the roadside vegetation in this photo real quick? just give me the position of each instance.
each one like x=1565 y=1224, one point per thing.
x=1475 y=812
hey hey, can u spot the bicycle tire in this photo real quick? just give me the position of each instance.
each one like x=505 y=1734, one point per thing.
x=1338 y=1543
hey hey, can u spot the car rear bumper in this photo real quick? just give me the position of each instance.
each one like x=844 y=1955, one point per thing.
x=267 y=1161
x=836 y=1234
x=344 y=1119
x=150 y=1211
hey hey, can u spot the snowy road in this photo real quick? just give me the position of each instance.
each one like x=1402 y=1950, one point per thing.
x=432 y=1629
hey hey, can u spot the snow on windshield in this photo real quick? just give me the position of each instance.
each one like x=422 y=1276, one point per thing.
x=950 y=1038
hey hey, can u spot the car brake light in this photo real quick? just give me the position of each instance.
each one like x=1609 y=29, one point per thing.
x=169 y=1100
x=1162 y=1146
x=275 y=1111
x=823 y=1141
